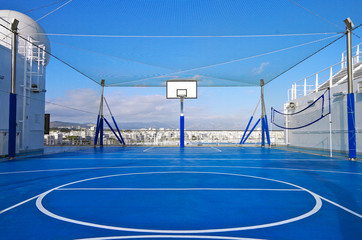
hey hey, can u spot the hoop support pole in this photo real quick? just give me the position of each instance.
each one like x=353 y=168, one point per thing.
x=182 y=124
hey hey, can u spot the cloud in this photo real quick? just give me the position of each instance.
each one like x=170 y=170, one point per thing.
x=81 y=106
x=260 y=69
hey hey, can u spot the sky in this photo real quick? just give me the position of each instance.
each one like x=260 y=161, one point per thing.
x=263 y=49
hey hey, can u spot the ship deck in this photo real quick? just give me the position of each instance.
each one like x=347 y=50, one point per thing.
x=173 y=193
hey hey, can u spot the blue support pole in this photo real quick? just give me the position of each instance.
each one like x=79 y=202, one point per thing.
x=267 y=130
x=182 y=129
x=351 y=126
x=251 y=130
x=12 y=96
x=113 y=131
x=101 y=131
x=12 y=126
x=262 y=132
x=247 y=127
x=120 y=135
x=97 y=131
x=350 y=96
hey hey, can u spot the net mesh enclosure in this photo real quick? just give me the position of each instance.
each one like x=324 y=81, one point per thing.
x=218 y=43
x=312 y=113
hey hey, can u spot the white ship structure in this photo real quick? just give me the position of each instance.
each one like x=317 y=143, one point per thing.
x=331 y=132
x=30 y=82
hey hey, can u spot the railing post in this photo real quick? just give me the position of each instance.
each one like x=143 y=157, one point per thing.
x=289 y=95
x=342 y=60
x=357 y=54
x=316 y=83
x=305 y=87
x=294 y=92
x=330 y=77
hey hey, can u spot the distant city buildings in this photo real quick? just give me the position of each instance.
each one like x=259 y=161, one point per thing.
x=156 y=137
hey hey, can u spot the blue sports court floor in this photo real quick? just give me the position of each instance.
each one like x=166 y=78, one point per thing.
x=171 y=193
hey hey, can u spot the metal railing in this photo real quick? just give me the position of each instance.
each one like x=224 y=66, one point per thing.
x=313 y=82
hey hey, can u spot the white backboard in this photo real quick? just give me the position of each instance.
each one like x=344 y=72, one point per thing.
x=186 y=89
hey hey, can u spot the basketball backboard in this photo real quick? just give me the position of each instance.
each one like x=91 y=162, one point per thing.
x=186 y=89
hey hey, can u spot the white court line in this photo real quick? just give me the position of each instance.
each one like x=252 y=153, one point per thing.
x=172 y=166
x=18 y=204
x=148 y=149
x=168 y=237
x=216 y=149
x=196 y=159
x=337 y=205
x=316 y=208
x=176 y=189
x=344 y=208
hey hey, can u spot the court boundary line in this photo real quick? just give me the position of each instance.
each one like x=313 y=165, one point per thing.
x=172 y=166
x=169 y=236
x=193 y=159
x=176 y=189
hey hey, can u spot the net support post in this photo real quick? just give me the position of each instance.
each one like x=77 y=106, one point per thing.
x=182 y=124
x=262 y=132
x=256 y=124
x=267 y=130
x=100 y=120
x=97 y=131
x=264 y=121
x=246 y=129
x=12 y=96
x=102 y=116
x=119 y=132
x=114 y=121
x=350 y=96
x=115 y=134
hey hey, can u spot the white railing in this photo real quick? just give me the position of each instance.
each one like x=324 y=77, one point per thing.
x=312 y=83
x=355 y=58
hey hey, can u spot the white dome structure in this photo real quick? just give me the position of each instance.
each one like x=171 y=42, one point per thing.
x=27 y=27
x=30 y=82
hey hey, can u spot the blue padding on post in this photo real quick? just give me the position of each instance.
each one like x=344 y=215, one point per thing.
x=182 y=129
x=247 y=127
x=267 y=130
x=351 y=126
x=12 y=126
x=256 y=124
x=97 y=131
x=113 y=131
x=120 y=135
x=101 y=132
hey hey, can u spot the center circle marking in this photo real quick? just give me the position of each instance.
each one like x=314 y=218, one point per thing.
x=316 y=208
